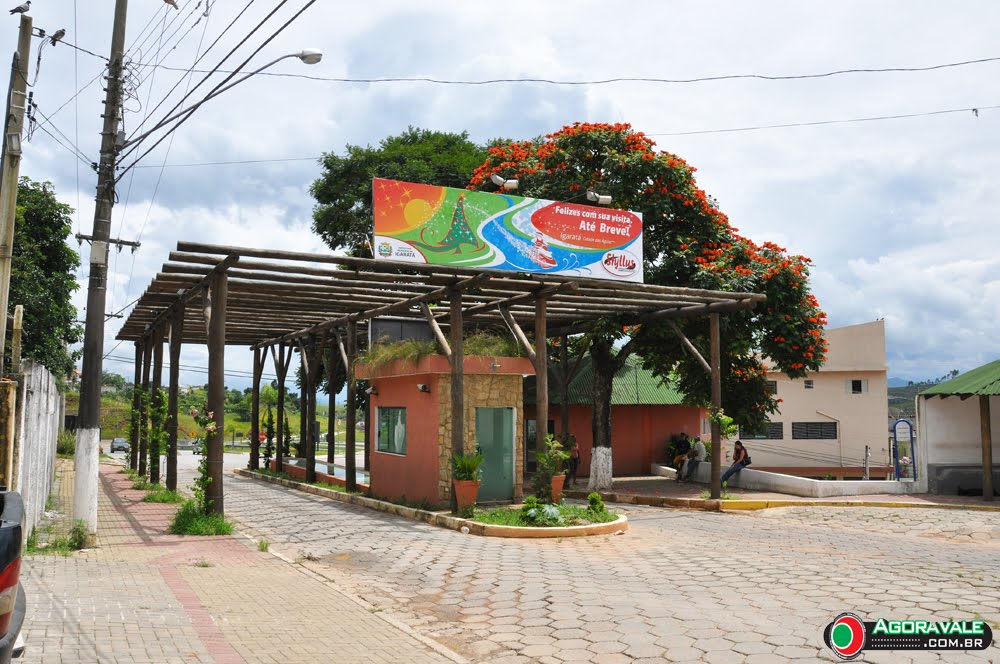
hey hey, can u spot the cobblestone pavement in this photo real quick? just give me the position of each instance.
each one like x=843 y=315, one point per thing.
x=147 y=597
x=678 y=586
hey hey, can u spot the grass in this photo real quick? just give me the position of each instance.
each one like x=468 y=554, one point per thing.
x=190 y=520
x=162 y=495
x=143 y=484
x=574 y=515
x=75 y=540
x=723 y=495
x=263 y=545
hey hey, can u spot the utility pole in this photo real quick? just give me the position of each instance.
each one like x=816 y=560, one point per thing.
x=88 y=440
x=12 y=168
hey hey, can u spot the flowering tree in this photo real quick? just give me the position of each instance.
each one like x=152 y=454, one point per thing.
x=688 y=241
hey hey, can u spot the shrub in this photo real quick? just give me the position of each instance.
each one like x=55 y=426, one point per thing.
x=490 y=345
x=596 y=503
x=191 y=520
x=78 y=535
x=466 y=466
x=161 y=495
x=66 y=443
x=547 y=463
x=263 y=545
x=544 y=515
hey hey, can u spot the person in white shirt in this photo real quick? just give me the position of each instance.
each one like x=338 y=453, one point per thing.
x=695 y=456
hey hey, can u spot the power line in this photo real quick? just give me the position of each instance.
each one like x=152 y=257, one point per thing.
x=69 y=149
x=972 y=109
x=78 y=92
x=229 y=163
x=80 y=48
x=233 y=373
x=617 y=79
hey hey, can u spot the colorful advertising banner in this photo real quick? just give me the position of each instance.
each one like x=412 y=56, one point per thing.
x=422 y=223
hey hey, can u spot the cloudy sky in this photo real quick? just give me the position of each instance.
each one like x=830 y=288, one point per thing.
x=898 y=215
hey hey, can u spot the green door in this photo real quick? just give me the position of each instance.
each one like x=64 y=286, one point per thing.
x=495 y=441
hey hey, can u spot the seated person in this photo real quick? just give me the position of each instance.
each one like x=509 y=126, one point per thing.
x=681 y=450
x=694 y=457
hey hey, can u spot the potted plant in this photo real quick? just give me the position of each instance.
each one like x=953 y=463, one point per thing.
x=549 y=478
x=465 y=472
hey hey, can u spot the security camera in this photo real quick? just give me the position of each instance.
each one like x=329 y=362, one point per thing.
x=423 y=387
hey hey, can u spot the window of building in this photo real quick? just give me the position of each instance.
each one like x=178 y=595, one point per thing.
x=772 y=386
x=814 y=430
x=857 y=386
x=808 y=383
x=392 y=430
x=770 y=431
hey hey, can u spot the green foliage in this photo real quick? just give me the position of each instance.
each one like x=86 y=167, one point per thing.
x=43 y=277
x=206 y=419
x=268 y=451
x=263 y=545
x=66 y=443
x=191 y=519
x=343 y=214
x=466 y=466
x=491 y=345
x=548 y=463
x=596 y=503
x=143 y=484
x=78 y=535
x=542 y=515
x=159 y=435
x=161 y=495
x=410 y=350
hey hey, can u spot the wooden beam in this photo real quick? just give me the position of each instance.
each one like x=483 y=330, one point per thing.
x=986 y=436
x=519 y=335
x=176 y=337
x=156 y=400
x=187 y=296
x=546 y=292
x=690 y=346
x=716 y=345
x=217 y=391
x=436 y=329
x=541 y=376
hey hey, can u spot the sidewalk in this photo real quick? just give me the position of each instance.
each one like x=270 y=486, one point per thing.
x=144 y=596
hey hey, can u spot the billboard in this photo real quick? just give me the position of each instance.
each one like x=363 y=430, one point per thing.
x=423 y=223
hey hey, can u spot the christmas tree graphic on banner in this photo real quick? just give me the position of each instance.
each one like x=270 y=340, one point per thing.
x=458 y=234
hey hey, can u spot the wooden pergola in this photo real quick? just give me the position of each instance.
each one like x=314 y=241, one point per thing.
x=280 y=302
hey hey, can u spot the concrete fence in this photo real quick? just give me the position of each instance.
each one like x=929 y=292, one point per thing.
x=37 y=422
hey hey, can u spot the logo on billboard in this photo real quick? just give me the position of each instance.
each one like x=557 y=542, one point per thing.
x=620 y=263
x=384 y=249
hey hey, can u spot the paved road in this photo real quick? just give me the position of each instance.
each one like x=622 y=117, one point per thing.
x=679 y=586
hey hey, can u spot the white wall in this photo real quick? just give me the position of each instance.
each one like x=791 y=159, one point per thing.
x=950 y=430
x=38 y=424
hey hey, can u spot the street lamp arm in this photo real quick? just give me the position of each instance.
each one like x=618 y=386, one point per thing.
x=309 y=56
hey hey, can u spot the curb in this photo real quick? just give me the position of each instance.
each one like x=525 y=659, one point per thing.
x=440 y=519
x=708 y=504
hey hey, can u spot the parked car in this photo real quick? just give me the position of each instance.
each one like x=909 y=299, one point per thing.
x=13 y=603
x=119 y=445
x=198 y=447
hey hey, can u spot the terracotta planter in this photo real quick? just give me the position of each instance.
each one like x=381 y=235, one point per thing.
x=465 y=493
x=557 y=487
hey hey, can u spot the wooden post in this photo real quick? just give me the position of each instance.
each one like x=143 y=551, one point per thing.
x=15 y=345
x=985 y=429
x=156 y=401
x=258 y=369
x=176 y=337
x=716 y=483
x=303 y=405
x=133 y=443
x=311 y=353
x=541 y=376
x=331 y=425
x=457 y=374
x=281 y=358
x=147 y=357
x=350 y=465
x=564 y=385
x=217 y=390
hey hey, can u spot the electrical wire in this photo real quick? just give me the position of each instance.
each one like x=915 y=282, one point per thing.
x=627 y=79
x=229 y=163
x=71 y=150
x=76 y=150
x=78 y=92
x=185 y=115
x=80 y=48
x=233 y=373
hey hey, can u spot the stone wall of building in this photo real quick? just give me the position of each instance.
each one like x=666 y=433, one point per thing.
x=481 y=391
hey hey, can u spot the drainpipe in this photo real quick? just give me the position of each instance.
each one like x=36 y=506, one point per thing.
x=840 y=435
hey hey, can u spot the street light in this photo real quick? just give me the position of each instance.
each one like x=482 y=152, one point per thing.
x=309 y=56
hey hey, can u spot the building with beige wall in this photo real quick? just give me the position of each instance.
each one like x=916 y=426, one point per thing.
x=826 y=419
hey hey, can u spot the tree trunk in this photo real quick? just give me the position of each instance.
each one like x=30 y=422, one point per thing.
x=606 y=366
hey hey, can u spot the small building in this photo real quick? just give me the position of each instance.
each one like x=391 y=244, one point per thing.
x=955 y=421
x=826 y=420
x=410 y=410
x=645 y=411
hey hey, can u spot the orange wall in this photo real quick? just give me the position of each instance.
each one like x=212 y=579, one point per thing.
x=638 y=433
x=414 y=475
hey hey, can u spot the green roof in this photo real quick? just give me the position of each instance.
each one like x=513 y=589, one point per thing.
x=632 y=386
x=984 y=380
